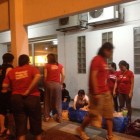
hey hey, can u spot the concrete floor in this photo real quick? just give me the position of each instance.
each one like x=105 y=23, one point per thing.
x=94 y=133
x=66 y=131
x=70 y=127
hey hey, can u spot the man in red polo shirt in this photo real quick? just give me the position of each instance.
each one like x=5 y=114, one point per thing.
x=25 y=97
x=100 y=98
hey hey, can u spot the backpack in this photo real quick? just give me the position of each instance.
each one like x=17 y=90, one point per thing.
x=133 y=128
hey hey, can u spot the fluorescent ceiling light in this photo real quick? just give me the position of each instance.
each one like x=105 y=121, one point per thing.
x=47 y=40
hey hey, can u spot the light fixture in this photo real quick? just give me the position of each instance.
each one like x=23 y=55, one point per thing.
x=55 y=42
x=43 y=41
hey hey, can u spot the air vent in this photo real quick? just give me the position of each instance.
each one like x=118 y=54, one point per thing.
x=75 y=22
x=105 y=15
x=96 y=13
x=63 y=21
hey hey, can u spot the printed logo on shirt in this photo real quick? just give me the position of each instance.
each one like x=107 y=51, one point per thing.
x=112 y=76
x=21 y=75
x=54 y=67
x=121 y=76
x=106 y=67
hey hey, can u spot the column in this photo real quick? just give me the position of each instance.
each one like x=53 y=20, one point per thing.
x=19 y=36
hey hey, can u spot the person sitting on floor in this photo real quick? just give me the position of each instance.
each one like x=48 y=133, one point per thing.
x=81 y=101
x=65 y=97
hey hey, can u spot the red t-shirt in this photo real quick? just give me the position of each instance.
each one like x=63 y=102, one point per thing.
x=20 y=78
x=124 y=81
x=99 y=64
x=111 y=80
x=53 y=72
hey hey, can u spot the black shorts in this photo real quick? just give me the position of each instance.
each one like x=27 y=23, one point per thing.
x=25 y=108
x=5 y=103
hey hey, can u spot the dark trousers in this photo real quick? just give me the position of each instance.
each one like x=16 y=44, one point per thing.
x=24 y=108
x=115 y=99
x=65 y=105
x=125 y=100
x=53 y=99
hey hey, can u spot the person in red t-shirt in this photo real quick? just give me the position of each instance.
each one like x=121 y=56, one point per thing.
x=25 y=97
x=101 y=102
x=53 y=78
x=125 y=85
x=111 y=83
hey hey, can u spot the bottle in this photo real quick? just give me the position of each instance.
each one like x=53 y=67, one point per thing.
x=125 y=112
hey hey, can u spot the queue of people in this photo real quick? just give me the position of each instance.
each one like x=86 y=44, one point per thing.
x=19 y=87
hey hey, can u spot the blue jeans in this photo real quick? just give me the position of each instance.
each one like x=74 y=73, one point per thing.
x=65 y=105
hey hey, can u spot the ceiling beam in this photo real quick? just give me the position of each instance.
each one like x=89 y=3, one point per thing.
x=35 y=11
x=43 y=10
x=4 y=15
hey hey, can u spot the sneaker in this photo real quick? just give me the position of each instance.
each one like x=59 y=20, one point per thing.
x=111 y=137
x=82 y=134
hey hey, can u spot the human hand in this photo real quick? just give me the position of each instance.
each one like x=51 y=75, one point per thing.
x=130 y=95
x=4 y=91
x=114 y=94
x=26 y=93
x=82 y=108
x=96 y=96
x=65 y=99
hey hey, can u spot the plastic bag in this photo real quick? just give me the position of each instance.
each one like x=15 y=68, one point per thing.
x=77 y=115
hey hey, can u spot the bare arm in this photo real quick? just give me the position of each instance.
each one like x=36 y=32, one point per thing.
x=115 y=87
x=94 y=81
x=8 y=69
x=5 y=85
x=74 y=104
x=62 y=76
x=33 y=84
x=4 y=88
x=132 y=87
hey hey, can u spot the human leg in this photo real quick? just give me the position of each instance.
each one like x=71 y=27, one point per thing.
x=115 y=99
x=121 y=101
x=19 y=116
x=65 y=105
x=81 y=130
x=94 y=111
x=33 y=107
x=47 y=103
x=3 y=111
x=128 y=106
x=2 y=125
x=109 y=123
x=57 y=96
x=108 y=114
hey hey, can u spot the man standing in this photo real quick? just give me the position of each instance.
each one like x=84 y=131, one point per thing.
x=25 y=97
x=100 y=97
